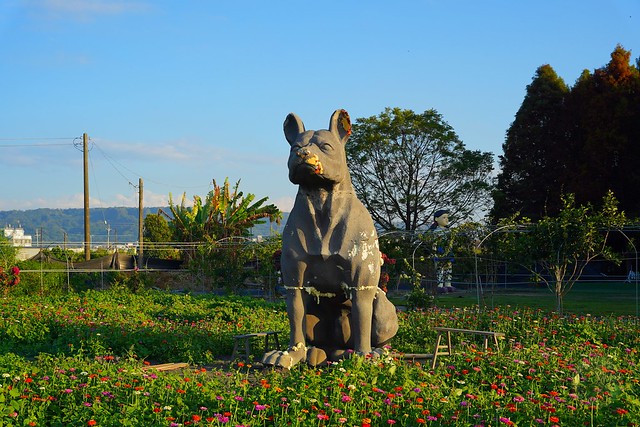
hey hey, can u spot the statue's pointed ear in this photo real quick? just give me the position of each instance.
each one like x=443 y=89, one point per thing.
x=293 y=127
x=340 y=125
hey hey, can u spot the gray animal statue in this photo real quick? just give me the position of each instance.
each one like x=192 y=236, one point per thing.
x=330 y=258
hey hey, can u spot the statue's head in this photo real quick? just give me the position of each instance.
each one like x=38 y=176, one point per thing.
x=318 y=157
x=441 y=217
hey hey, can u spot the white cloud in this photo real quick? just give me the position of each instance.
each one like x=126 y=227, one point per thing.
x=149 y=199
x=285 y=204
x=64 y=202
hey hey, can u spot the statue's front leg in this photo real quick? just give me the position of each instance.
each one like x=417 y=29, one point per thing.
x=362 y=318
x=297 y=344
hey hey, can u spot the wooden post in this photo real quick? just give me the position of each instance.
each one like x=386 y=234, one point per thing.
x=87 y=228
x=140 y=226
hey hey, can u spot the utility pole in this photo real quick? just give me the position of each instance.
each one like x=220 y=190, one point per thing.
x=108 y=232
x=87 y=229
x=140 y=225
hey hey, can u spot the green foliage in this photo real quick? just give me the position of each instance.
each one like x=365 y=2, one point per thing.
x=8 y=253
x=234 y=263
x=557 y=249
x=225 y=213
x=77 y=360
x=419 y=298
x=534 y=157
x=580 y=140
x=267 y=255
x=9 y=272
x=224 y=262
x=404 y=166
x=158 y=237
x=415 y=254
x=64 y=255
x=220 y=225
x=147 y=324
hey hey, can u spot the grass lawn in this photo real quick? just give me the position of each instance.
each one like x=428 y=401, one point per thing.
x=596 y=298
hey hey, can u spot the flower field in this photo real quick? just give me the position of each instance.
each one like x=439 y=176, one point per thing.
x=83 y=360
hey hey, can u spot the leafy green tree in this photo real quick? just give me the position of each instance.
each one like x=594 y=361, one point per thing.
x=158 y=237
x=556 y=250
x=533 y=165
x=404 y=166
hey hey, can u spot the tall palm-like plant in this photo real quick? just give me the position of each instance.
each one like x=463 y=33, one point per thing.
x=226 y=213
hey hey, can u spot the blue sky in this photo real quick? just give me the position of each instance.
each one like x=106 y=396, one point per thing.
x=182 y=92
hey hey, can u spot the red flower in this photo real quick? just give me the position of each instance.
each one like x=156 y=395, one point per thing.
x=621 y=411
x=92 y=422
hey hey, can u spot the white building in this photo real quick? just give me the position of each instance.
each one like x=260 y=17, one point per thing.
x=17 y=237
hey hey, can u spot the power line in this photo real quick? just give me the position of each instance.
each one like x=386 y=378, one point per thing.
x=33 y=145
x=113 y=162
x=35 y=138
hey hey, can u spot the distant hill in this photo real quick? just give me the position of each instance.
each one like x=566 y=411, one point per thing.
x=118 y=225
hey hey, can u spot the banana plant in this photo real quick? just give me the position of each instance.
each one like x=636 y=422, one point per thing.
x=225 y=213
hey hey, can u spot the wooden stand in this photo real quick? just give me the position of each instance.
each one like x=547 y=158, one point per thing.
x=242 y=345
x=446 y=349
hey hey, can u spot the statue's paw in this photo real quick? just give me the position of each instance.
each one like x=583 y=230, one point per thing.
x=339 y=354
x=378 y=352
x=285 y=359
x=270 y=358
x=316 y=356
x=375 y=353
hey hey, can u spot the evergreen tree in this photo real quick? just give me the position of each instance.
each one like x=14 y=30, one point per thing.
x=604 y=133
x=582 y=140
x=532 y=166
